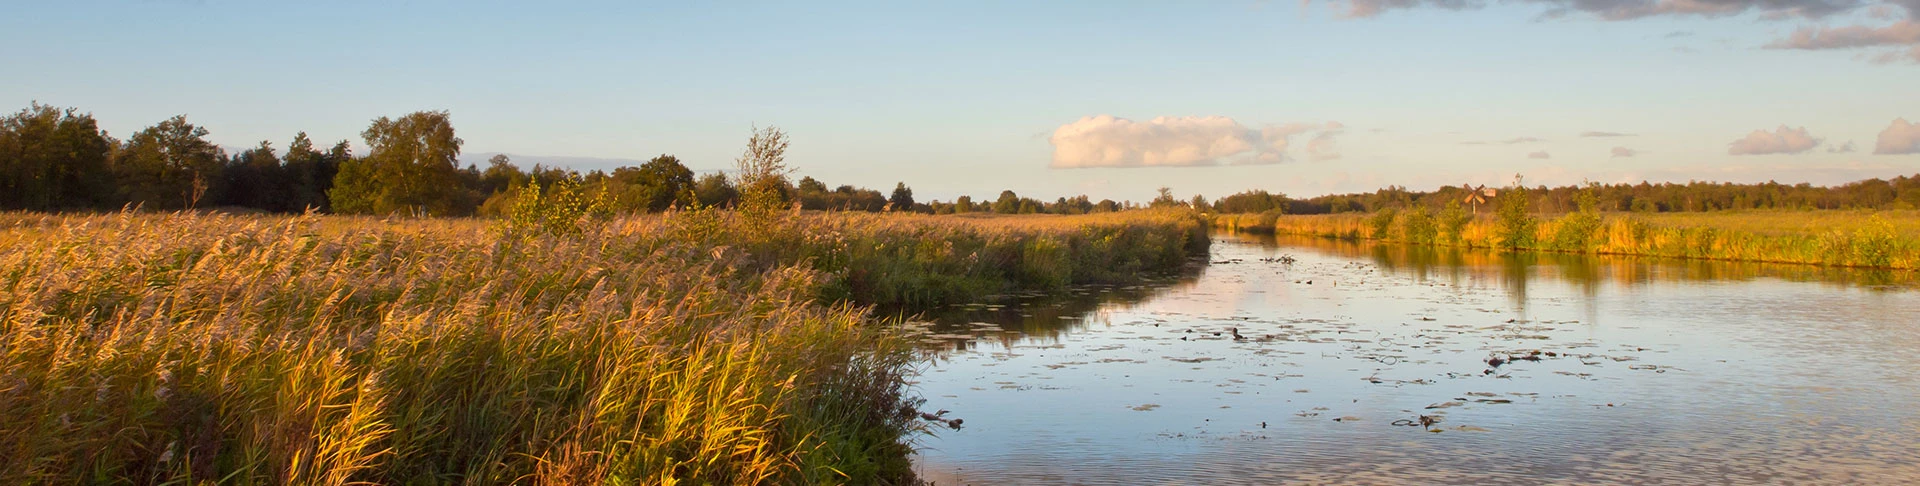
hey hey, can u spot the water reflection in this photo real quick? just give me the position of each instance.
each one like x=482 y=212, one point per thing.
x=1647 y=370
x=1589 y=271
x=1038 y=317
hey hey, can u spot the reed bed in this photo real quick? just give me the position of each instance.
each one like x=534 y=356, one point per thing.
x=698 y=347
x=1866 y=239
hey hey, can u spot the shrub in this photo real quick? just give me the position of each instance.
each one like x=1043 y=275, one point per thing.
x=1515 y=225
x=1418 y=226
x=1382 y=223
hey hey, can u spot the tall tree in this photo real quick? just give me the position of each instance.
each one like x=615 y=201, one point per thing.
x=411 y=167
x=714 y=190
x=902 y=198
x=310 y=173
x=169 y=165
x=256 y=179
x=658 y=184
x=1008 y=203
x=52 y=159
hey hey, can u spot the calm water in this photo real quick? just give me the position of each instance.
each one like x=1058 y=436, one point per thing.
x=1648 y=371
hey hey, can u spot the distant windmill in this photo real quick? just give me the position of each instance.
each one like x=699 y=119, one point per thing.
x=1477 y=195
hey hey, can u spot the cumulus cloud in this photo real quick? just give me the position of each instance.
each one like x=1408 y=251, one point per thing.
x=1590 y=134
x=1781 y=140
x=1624 y=152
x=1842 y=148
x=1539 y=155
x=1109 y=141
x=1899 y=138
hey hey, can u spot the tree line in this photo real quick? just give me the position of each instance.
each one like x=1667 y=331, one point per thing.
x=54 y=159
x=1901 y=192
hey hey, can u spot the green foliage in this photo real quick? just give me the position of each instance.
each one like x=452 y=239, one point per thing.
x=1164 y=200
x=1876 y=244
x=1256 y=201
x=1514 y=223
x=1381 y=223
x=762 y=177
x=168 y=166
x=565 y=208
x=659 y=184
x=1007 y=203
x=1418 y=226
x=53 y=159
x=902 y=198
x=1575 y=231
x=412 y=169
x=1453 y=223
x=715 y=190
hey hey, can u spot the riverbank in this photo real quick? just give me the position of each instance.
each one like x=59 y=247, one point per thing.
x=695 y=347
x=1867 y=239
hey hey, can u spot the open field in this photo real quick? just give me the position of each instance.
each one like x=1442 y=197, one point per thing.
x=1875 y=239
x=703 y=347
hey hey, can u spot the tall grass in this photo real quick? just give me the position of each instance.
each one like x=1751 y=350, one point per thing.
x=176 y=348
x=1884 y=239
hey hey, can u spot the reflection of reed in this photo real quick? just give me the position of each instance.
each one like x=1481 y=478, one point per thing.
x=1046 y=318
x=1588 y=271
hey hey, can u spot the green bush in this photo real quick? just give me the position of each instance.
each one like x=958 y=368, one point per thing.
x=1382 y=223
x=1515 y=225
x=1419 y=227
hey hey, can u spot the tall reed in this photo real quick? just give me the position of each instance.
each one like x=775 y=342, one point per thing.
x=1886 y=239
x=172 y=348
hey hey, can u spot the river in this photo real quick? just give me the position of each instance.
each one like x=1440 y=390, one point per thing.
x=1530 y=368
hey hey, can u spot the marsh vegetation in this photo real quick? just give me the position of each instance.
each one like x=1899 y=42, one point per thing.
x=707 y=346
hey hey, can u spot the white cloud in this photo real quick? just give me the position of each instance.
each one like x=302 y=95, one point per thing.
x=1781 y=140
x=1899 y=138
x=1109 y=141
x=1539 y=155
x=1624 y=152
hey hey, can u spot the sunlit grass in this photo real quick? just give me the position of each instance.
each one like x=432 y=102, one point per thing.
x=1876 y=239
x=688 y=348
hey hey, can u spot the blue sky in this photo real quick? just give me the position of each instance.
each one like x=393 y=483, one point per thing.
x=973 y=97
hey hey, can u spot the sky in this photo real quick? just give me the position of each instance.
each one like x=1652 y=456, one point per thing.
x=1112 y=99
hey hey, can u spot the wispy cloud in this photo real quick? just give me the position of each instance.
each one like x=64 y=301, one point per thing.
x=1624 y=152
x=1898 y=139
x=1510 y=141
x=1625 y=9
x=1109 y=141
x=1539 y=155
x=1321 y=146
x=1591 y=134
x=1781 y=140
x=1904 y=35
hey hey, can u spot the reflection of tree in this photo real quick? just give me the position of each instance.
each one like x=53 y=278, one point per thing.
x=1514 y=267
